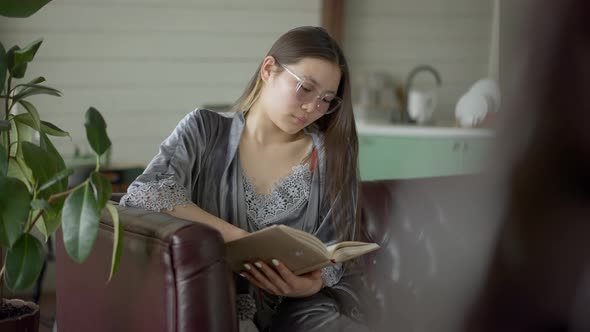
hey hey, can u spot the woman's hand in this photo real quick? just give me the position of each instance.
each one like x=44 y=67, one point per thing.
x=281 y=281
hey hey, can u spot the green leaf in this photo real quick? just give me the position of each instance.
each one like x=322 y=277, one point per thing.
x=40 y=204
x=50 y=148
x=53 y=130
x=46 y=127
x=96 y=131
x=63 y=174
x=19 y=170
x=117 y=239
x=42 y=165
x=57 y=159
x=24 y=118
x=80 y=219
x=40 y=226
x=28 y=86
x=47 y=223
x=24 y=262
x=46 y=164
x=17 y=71
x=3 y=161
x=61 y=165
x=103 y=188
x=3 y=67
x=21 y=8
x=27 y=54
x=36 y=80
x=23 y=133
x=52 y=221
x=33 y=112
x=14 y=210
x=35 y=89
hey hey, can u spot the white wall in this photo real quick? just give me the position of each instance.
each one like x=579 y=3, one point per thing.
x=146 y=63
x=396 y=35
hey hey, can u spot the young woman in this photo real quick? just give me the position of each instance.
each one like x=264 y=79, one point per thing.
x=286 y=155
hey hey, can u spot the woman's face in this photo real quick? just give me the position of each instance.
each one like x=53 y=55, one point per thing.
x=284 y=106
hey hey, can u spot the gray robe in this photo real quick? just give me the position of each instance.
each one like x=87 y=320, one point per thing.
x=199 y=160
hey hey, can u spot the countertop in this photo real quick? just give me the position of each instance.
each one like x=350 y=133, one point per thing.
x=409 y=130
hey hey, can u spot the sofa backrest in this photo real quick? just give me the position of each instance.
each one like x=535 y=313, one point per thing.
x=435 y=234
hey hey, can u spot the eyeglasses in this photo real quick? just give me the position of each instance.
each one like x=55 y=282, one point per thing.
x=305 y=92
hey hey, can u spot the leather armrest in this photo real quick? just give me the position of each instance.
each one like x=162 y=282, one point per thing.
x=172 y=277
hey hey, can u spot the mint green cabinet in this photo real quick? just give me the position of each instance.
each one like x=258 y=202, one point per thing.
x=476 y=154
x=398 y=157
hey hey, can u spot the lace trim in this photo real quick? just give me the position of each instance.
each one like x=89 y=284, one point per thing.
x=330 y=276
x=156 y=195
x=246 y=306
x=287 y=194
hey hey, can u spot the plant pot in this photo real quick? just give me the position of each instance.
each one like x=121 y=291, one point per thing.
x=28 y=322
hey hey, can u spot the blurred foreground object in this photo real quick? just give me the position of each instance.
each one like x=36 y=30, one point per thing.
x=539 y=278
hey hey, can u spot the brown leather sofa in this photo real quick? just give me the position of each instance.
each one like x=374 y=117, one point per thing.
x=435 y=235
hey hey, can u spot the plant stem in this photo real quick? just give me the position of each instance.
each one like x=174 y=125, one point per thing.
x=34 y=221
x=2 y=276
x=52 y=199
x=6 y=116
x=7 y=95
x=8 y=145
x=2 y=271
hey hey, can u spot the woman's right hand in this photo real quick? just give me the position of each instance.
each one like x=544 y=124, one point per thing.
x=282 y=281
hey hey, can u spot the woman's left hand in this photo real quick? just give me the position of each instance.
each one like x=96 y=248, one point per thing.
x=281 y=281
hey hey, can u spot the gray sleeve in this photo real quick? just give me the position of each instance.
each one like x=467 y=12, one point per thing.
x=170 y=177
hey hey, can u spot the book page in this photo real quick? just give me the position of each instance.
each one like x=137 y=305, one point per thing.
x=306 y=237
x=331 y=249
x=344 y=251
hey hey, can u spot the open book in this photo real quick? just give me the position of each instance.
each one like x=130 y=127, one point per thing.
x=301 y=252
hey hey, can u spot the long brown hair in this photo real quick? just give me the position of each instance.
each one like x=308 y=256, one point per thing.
x=340 y=138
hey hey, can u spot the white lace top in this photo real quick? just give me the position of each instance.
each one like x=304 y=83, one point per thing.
x=286 y=195
x=156 y=195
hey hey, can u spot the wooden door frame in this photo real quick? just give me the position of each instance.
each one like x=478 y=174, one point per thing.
x=333 y=18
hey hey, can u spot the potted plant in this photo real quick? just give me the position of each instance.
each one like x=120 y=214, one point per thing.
x=34 y=196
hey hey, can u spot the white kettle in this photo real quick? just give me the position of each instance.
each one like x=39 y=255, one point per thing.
x=421 y=103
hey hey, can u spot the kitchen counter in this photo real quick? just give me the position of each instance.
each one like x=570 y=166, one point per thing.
x=409 y=130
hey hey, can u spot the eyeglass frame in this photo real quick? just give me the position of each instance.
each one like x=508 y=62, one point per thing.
x=318 y=97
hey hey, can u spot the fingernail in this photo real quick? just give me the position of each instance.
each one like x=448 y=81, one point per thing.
x=242 y=275
x=258 y=265
x=275 y=262
x=247 y=267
